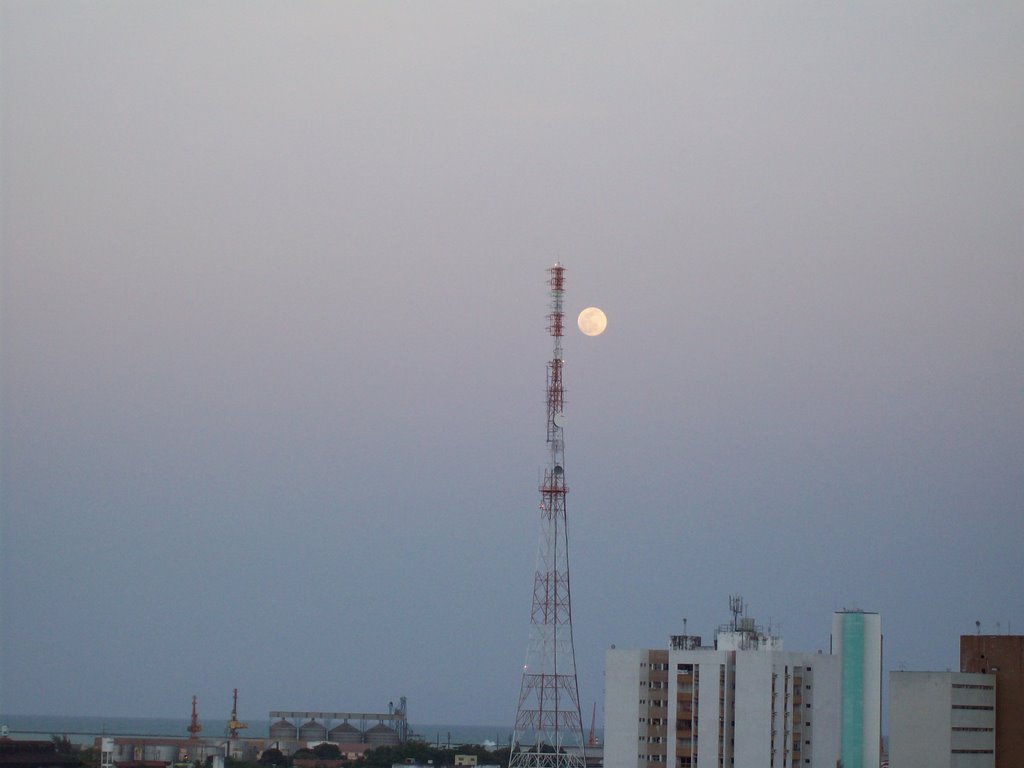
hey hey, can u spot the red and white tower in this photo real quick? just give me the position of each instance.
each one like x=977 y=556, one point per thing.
x=549 y=726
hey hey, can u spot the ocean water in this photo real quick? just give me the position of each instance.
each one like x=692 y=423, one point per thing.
x=82 y=730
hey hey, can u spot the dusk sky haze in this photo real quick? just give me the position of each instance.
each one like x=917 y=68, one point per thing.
x=273 y=339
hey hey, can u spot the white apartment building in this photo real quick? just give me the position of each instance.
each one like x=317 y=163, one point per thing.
x=942 y=720
x=742 y=703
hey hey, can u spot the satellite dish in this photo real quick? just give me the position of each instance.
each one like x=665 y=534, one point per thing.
x=558 y=470
x=559 y=419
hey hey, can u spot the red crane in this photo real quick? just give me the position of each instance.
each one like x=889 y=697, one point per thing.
x=194 y=727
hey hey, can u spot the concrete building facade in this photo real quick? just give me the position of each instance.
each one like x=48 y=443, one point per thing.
x=156 y=751
x=857 y=641
x=1001 y=656
x=742 y=703
x=942 y=720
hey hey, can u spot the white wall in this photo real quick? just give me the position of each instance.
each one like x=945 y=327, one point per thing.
x=622 y=707
x=753 y=708
x=825 y=704
x=919 y=719
x=872 y=689
x=707 y=731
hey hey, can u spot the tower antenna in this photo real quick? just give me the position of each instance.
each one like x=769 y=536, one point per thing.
x=736 y=609
x=548 y=713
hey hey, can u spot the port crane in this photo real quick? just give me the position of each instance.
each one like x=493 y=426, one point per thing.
x=194 y=727
x=233 y=726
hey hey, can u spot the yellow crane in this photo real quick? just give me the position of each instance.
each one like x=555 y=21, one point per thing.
x=233 y=726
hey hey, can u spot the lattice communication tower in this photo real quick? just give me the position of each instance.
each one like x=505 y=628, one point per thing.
x=549 y=725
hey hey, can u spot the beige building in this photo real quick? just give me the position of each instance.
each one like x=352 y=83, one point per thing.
x=942 y=720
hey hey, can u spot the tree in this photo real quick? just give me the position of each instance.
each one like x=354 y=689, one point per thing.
x=273 y=756
x=327 y=751
x=234 y=762
x=422 y=753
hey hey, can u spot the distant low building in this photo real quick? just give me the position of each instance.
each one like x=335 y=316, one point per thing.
x=155 y=752
x=349 y=751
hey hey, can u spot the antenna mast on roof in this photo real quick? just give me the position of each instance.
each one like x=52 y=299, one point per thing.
x=736 y=608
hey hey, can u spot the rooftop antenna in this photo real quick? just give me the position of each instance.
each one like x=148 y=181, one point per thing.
x=977 y=627
x=736 y=608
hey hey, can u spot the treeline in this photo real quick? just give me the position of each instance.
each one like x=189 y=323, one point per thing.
x=412 y=752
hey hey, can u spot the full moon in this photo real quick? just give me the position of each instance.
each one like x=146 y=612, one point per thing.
x=592 y=321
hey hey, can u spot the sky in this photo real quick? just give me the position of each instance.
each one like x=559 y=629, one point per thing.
x=274 y=339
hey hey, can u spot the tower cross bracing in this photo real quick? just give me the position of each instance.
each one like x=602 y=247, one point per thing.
x=549 y=724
